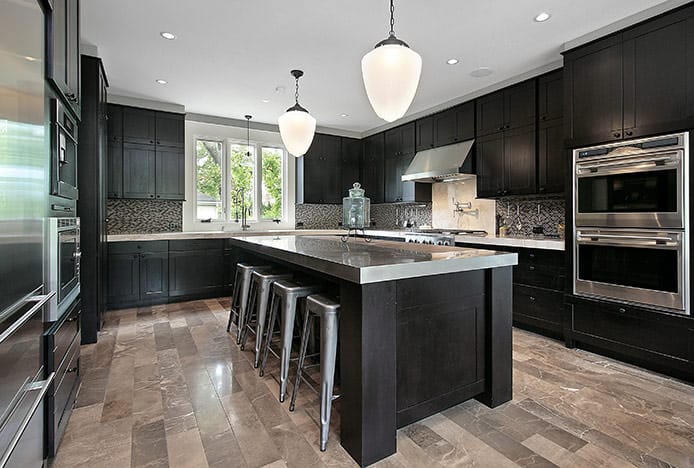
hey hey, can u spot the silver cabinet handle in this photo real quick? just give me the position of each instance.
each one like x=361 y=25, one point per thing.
x=40 y=302
x=580 y=236
x=43 y=387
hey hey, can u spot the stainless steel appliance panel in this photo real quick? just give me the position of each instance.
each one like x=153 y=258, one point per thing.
x=62 y=264
x=636 y=266
x=636 y=184
x=63 y=152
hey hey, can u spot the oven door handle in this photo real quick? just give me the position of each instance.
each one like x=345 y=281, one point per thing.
x=667 y=242
x=669 y=160
x=40 y=302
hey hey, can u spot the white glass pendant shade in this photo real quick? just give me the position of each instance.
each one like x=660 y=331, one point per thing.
x=391 y=75
x=297 y=129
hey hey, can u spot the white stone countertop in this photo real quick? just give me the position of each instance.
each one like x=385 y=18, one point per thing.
x=512 y=241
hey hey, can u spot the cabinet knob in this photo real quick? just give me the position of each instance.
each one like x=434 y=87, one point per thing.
x=622 y=310
x=616 y=134
x=158 y=142
x=158 y=196
x=532 y=298
x=628 y=133
x=72 y=369
x=501 y=128
x=531 y=268
x=544 y=117
x=542 y=189
x=151 y=141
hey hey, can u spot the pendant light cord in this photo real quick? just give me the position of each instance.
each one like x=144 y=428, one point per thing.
x=392 y=19
x=296 y=91
x=248 y=136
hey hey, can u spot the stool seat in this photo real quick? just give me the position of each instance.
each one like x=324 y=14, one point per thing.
x=239 y=295
x=326 y=309
x=259 y=296
x=285 y=297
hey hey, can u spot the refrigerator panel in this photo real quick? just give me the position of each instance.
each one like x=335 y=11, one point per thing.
x=24 y=155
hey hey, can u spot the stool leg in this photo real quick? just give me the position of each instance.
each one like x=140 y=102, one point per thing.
x=234 y=310
x=274 y=305
x=248 y=314
x=261 y=317
x=328 y=356
x=308 y=321
x=244 y=293
x=287 y=335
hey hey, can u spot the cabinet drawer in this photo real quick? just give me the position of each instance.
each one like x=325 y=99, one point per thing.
x=137 y=247
x=632 y=329
x=65 y=379
x=62 y=335
x=537 y=306
x=196 y=244
x=550 y=258
x=537 y=275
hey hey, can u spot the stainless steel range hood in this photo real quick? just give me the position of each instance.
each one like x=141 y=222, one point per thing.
x=443 y=164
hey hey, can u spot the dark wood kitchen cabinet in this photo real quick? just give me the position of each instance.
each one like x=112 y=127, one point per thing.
x=63 y=51
x=638 y=82
x=399 y=152
x=447 y=127
x=146 y=157
x=506 y=163
x=318 y=171
x=511 y=108
x=350 y=166
x=552 y=156
x=424 y=133
x=137 y=273
x=196 y=267
x=372 y=167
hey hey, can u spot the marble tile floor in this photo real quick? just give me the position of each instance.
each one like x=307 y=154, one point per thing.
x=166 y=386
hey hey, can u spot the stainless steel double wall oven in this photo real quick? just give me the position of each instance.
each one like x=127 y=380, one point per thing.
x=631 y=217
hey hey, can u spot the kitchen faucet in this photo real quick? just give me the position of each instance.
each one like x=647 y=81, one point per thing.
x=240 y=196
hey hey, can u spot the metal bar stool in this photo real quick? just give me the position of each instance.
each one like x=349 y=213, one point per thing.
x=239 y=295
x=285 y=297
x=259 y=296
x=327 y=310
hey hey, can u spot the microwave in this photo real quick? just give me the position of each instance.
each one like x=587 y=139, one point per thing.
x=63 y=152
x=62 y=265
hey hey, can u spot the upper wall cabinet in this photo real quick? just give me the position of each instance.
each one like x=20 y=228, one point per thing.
x=372 y=167
x=510 y=108
x=139 y=126
x=636 y=83
x=318 y=171
x=350 y=152
x=446 y=127
x=400 y=149
x=63 y=45
x=552 y=157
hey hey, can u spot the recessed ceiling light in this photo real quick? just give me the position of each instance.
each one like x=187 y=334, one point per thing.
x=481 y=72
x=167 y=35
x=344 y=115
x=264 y=101
x=452 y=61
x=160 y=81
x=280 y=89
x=30 y=58
x=542 y=17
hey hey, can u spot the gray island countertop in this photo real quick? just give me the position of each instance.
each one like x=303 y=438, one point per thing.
x=372 y=262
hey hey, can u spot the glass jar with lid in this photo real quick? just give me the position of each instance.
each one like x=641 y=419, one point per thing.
x=356 y=209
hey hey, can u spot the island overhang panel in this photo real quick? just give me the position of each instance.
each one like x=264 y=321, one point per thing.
x=422 y=328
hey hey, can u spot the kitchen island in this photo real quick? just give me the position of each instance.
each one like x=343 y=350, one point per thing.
x=422 y=328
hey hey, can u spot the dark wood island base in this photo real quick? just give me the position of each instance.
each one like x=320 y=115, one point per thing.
x=414 y=346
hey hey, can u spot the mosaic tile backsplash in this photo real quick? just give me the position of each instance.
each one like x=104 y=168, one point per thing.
x=144 y=216
x=521 y=214
x=385 y=216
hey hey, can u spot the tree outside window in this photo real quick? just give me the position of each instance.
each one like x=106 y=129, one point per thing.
x=209 y=179
x=272 y=183
x=242 y=165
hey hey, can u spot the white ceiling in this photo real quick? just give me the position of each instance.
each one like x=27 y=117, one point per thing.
x=231 y=54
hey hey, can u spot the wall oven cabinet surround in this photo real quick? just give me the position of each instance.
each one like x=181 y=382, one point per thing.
x=62 y=264
x=636 y=184
x=643 y=267
x=63 y=152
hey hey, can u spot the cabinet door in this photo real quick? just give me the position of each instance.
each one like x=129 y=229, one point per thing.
x=424 y=133
x=465 y=121
x=552 y=158
x=169 y=129
x=139 y=173
x=72 y=60
x=658 y=87
x=57 y=69
x=154 y=275
x=139 y=126
x=196 y=272
x=520 y=105
x=351 y=161
x=490 y=114
x=445 y=127
x=123 y=278
x=393 y=188
x=115 y=123
x=519 y=160
x=550 y=96
x=115 y=170
x=321 y=170
x=170 y=173
x=593 y=78
x=372 y=167
x=490 y=166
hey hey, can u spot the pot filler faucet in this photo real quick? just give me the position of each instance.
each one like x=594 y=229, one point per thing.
x=240 y=203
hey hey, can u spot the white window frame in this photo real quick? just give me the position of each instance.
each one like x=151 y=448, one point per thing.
x=258 y=145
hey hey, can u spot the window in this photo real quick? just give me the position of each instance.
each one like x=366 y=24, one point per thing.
x=231 y=175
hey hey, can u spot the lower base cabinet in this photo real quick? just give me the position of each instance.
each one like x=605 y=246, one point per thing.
x=62 y=356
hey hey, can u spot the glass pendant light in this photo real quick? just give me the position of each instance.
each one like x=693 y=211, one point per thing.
x=391 y=75
x=297 y=126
